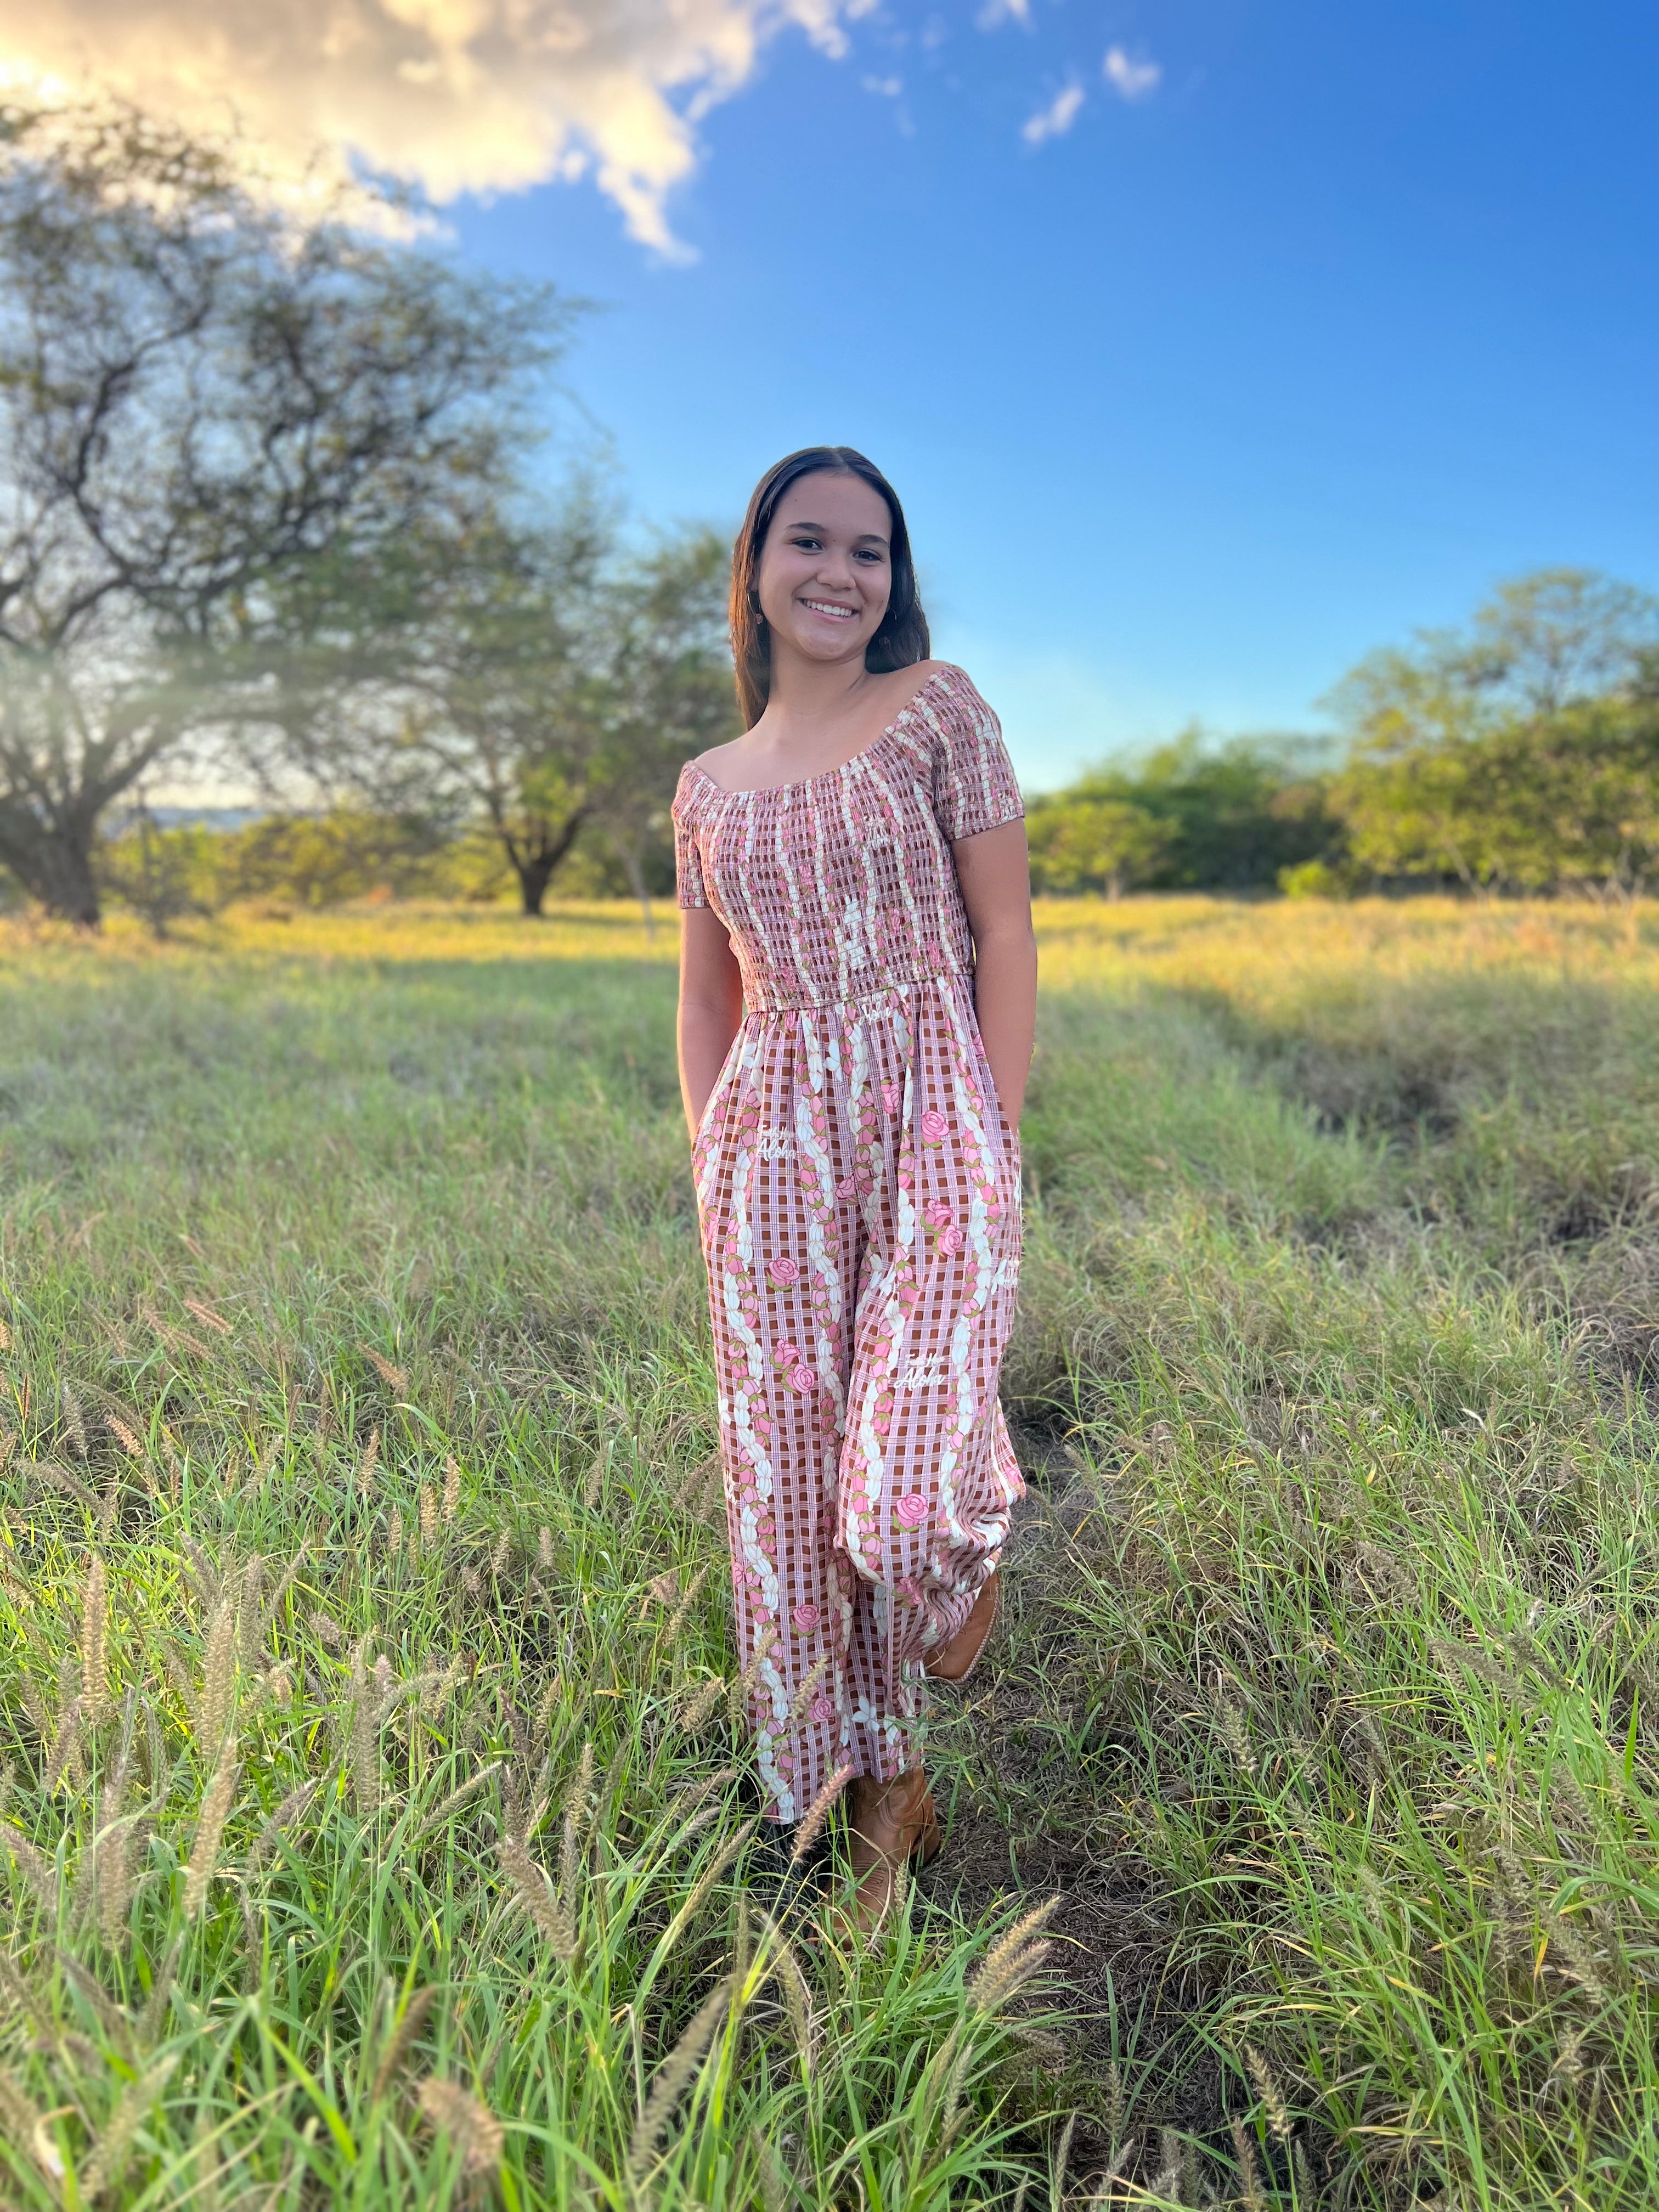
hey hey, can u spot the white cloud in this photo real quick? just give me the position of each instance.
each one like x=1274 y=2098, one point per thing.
x=451 y=96
x=888 y=88
x=1132 y=80
x=1054 y=120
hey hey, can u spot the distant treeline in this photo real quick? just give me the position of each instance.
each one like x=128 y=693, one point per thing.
x=1519 y=755
x=172 y=870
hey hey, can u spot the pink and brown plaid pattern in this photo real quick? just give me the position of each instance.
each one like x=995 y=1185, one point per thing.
x=857 y=1187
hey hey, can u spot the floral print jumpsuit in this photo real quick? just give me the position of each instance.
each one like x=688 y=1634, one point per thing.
x=858 y=1189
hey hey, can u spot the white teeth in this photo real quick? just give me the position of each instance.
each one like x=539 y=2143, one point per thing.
x=828 y=607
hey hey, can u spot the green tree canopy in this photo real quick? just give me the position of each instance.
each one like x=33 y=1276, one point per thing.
x=1522 y=752
x=1189 y=815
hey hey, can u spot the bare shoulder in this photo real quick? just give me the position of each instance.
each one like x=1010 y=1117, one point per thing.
x=733 y=748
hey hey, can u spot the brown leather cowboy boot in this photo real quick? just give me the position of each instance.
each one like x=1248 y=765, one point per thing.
x=889 y=1825
x=956 y=1660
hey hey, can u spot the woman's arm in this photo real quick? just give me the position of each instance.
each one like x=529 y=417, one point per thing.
x=711 y=1006
x=995 y=875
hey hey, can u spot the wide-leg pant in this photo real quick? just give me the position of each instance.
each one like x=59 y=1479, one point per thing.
x=857 y=1187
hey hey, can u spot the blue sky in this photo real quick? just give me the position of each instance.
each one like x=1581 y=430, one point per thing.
x=1210 y=341
x=1350 y=314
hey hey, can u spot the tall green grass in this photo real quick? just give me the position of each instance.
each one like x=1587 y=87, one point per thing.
x=374 y=1827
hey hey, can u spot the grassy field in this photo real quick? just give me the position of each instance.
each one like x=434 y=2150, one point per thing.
x=372 y=1830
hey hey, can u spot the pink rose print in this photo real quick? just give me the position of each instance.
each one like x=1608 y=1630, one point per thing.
x=822 y=1710
x=951 y=1239
x=846 y=1187
x=933 y=1126
x=936 y=1213
x=787 y=1355
x=912 y=1509
x=804 y=1379
x=806 y=1618
x=891 y=1096
x=784 y=1270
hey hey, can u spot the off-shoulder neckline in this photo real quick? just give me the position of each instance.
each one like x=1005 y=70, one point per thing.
x=823 y=775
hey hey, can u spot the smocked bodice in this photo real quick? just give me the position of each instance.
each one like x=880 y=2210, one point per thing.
x=841 y=885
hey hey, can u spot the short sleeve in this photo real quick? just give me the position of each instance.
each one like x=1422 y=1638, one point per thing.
x=974 y=787
x=688 y=861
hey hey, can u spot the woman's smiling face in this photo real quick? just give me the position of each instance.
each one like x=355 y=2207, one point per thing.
x=826 y=568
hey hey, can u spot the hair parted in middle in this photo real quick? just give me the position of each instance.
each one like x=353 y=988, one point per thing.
x=902 y=638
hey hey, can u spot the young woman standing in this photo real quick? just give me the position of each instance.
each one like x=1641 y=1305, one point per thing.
x=857 y=995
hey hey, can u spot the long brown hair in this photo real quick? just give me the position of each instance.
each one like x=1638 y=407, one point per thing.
x=900 y=641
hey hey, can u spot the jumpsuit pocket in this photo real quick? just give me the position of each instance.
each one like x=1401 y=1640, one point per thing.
x=722 y=1084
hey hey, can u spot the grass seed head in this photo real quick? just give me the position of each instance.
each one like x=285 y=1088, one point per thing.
x=39 y=1872
x=452 y=1488
x=362 y=1481
x=408 y=2025
x=75 y=1429
x=813 y=1820
x=1265 y=2082
x=544 y=1548
x=94 y=1656
x=1250 y=2176
x=1235 y=1734
x=251 y=1612
x=209 y=1830
x=578 y=1820
x=116 y=1867
x=35 y=1706
x=428 y=1513
x=24 y=2124
x=808 y=1688
x=470 y=2126
x=777 y=2190
x=673 y=2078
x=699 y=1706
x=1012 y=1960
x=797 y=1996
x=367 y=1694
x=743 y=1686
x=548 y=1704
x=63 y=1762
x=124 y=1435
x=1116 y=2109
x=213 y=1709
x=538 y=1901
x=284 y=1818
x=1583 y=1962
x=112 y=2152
x=675 y=1626
x=720 y=1864
x=395 y=1378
